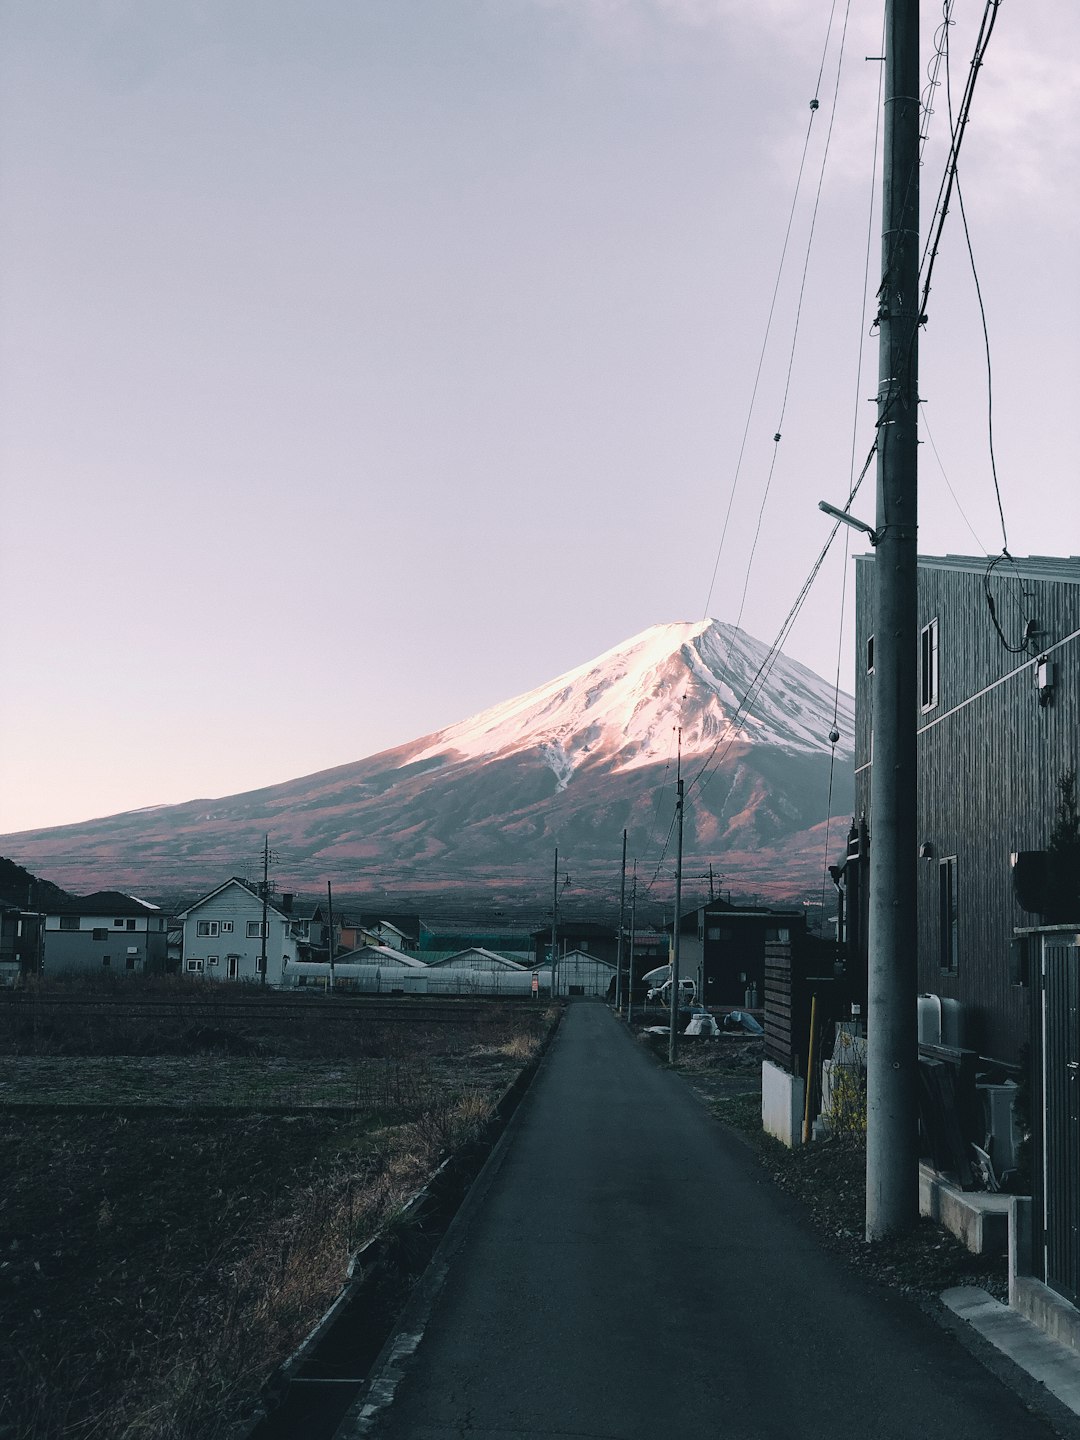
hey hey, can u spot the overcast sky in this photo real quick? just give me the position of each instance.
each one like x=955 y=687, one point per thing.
x=366 y=362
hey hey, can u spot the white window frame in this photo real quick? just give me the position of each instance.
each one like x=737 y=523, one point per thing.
x=226 y=927
x=193 y=966
x=232 y=966
x=929 y=669
x=211 y=959
x=256 y=929
x=206 y=929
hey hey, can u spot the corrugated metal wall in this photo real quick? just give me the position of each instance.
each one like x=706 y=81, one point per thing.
x=990 y=755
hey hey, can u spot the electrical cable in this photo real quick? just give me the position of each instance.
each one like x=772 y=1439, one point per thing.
x=814 y=106
x=923 y=421
x=735 y=725
x=794 y=341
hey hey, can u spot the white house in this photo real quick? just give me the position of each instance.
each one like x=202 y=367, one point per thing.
x=223 y=936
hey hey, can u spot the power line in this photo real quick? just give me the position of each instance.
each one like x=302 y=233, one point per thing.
x=814 y=106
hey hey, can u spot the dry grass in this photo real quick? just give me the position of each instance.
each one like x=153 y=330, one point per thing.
x=154 y=1272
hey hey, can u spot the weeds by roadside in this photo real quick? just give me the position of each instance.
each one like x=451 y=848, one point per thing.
x=154 y=1271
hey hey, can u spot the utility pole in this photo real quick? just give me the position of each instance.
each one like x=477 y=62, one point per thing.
x=630 y=965
x=673 y=1022
x=712 y=892
x=554 y=922
x=892 y=1175
x=265 y=897
x=330 y=929
x=622 y=912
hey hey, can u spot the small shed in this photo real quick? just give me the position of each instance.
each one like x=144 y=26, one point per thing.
x=476 y=957
x=582 y=973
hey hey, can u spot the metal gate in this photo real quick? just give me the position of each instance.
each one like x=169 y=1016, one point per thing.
x=1061 y=1113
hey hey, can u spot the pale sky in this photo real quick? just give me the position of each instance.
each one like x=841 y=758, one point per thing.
x=364 y=363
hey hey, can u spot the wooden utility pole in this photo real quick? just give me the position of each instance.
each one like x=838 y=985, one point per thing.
x=265 y=899
x=330 y=929
x=630 y=964
x=673 y=1019
x=892 y=1173
x=619 y=948
x=554 y=923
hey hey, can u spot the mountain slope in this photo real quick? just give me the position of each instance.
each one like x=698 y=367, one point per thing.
x=484 y=801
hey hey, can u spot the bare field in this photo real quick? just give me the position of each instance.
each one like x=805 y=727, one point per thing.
x=161 y=1255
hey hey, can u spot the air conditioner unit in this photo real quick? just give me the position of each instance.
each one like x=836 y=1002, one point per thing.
x=1003 y=1134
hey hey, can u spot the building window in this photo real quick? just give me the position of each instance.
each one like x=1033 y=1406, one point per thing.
x=226 y=927
x=106 y=960
x=131 y=959
x=206 y=927
x=869 y=654
x=119 y=924
x=714 y=932
x=69 y=922
x=256 y=929
x=928 y=665
x=948 y=927
x=131 y=925
x=100 y=934
x=194 y=967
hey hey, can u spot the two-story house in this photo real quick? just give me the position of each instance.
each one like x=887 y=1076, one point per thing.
x=226 y=938
x=104 y=933
x=998 y=725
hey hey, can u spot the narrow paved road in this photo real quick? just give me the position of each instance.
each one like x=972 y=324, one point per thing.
x=628 y=1274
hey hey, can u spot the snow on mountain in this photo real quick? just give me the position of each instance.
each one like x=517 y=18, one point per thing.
x=625 y=706
x=573 y=763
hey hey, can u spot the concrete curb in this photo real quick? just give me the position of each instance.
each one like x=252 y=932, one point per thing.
x=1052 y=1364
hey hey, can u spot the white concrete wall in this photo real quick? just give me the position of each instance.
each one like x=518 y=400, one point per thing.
x=783 y=1097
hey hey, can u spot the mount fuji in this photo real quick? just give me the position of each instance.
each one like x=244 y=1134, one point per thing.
x=481 y=804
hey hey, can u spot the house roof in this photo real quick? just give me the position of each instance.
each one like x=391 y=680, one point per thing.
x=589 y=956
x=104 y=902
x=379 y=955
x=1032 y=567
x=587 y=929
x=503 y=962
x=271 y=908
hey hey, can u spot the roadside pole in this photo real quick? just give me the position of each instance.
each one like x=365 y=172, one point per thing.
x=265 y=896
x=673 y=1021
x=630 y=965
x=892 y=1178
x=554 y=923
x=330 y=929
x=619 y=949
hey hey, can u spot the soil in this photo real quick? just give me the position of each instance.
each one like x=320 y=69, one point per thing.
x=171 y=1225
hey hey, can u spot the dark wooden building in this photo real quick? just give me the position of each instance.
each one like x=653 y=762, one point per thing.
x=998 y=722
x=722 y=947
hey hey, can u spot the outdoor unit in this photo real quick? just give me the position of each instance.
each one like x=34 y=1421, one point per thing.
x=1003 y=1135
x=941 y=1021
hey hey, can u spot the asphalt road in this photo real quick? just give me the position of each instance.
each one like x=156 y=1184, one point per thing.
x=625 y=1272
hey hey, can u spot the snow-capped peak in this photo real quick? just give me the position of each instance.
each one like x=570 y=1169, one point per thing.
x=626 y=705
